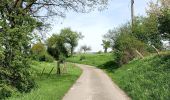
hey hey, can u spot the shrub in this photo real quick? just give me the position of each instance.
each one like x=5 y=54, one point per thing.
x=38 y=48
x=5 y=91
x=82 y=57
x=99 y=52
x=62 y=58
x=126 y=46
x=45 y=57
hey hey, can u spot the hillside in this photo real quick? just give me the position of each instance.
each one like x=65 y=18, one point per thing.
x=146 y=79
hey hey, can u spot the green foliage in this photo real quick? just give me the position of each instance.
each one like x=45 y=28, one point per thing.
x=82 y=57
x=56 y=46
x=45 y=57
x=63 y=43
x=38 y=48
x=146 y=30
x=5 y=91
x=106 y=45
x=99 y=52
x=15 y=39
x=62 y=58
x=164 y=24
x=39 y=53
x=126 y=46
x=71 y=38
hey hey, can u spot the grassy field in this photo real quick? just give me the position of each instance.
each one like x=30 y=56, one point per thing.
x=92 y=59
x=146 y=79
x=50 y=86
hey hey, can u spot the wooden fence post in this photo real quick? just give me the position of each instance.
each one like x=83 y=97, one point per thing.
x=42 y=72
x=50 y=72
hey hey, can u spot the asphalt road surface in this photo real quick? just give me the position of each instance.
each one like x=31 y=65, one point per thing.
x=94 y=84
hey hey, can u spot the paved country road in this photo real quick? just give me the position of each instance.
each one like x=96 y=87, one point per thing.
x=94 y=84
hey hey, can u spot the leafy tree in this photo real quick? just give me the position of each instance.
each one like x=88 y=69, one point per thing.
x=71 y=38
x=112 y=34
x=126 y=44
x=164 y=24
x=15 y=37
x=38 y=52
x=106 y=45
x=18 y=19
x=146 y=30
x=161 y=10
x=85 y=48
x=38 y=48
x=56 y=46
x=127 y=48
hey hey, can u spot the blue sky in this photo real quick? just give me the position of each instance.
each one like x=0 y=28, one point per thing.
x=95 y=24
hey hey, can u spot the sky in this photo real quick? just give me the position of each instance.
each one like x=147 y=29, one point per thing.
x=95 y=24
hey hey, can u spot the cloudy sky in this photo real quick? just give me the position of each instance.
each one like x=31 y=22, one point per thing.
x=95 y=24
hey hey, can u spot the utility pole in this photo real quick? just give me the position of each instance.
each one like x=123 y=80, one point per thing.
x=132 y=14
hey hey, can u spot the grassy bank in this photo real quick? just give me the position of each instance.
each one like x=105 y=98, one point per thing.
x=50 y=86
x=146 y=79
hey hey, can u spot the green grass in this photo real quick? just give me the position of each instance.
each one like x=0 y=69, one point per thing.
x=50 y=87
x=92 y=59
x=146 y=79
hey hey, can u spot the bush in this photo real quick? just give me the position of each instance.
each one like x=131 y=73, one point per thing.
x=82 y=57
x=126 y=46
x=45 y=57
x=17 y=76
x=99 y=52
x=39 y=53
x=5 y=91
x=62 y=58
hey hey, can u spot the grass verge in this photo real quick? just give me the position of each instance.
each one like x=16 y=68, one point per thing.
x=50 y=87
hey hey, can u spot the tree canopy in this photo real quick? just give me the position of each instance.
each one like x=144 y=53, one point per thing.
x=71 y=38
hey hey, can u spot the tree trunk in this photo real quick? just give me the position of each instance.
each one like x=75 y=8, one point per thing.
x=58 y=68
x=105 y=50
x=72 y=50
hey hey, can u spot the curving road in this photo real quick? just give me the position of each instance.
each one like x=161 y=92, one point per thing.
x=94 y=84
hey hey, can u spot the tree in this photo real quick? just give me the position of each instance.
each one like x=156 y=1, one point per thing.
x=85 y=48
x=164 y=24
x=18 y=19
x=38 y=48
x=161 y=10
x=106 y=45
x=71 y=38
x=56 y=46
x=15 y=39
x=112 y=34
x=146 y=30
